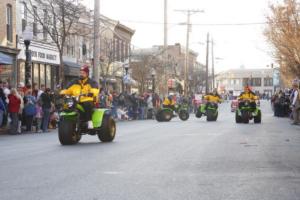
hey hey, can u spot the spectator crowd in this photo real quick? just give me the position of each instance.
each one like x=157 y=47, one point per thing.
x=287 y=103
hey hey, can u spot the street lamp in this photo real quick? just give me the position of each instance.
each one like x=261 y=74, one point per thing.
x=153 y=80
x=27 y=37
x=126 y=67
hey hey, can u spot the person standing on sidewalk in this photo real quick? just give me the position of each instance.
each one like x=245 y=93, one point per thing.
x=45 y=100
x=13 y=109
x=29 y=109
x=295 y=102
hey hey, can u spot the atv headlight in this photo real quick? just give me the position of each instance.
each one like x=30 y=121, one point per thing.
x=69 y=102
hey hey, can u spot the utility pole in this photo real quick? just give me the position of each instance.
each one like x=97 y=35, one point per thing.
x=186 y=63
x=165 y=49
x=212 y=63
x=165 y=28
x=206 y=75
x=96 y=40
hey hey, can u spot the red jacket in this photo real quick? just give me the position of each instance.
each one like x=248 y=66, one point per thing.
x=14 y=104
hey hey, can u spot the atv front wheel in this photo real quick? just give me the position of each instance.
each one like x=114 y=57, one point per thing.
x=210 y=115
x=184 y=115
x=257 y=118
x=108 y=132
x=198 y=113
x=66 y=132
x=245 y=117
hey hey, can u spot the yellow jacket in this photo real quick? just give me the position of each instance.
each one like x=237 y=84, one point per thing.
x=212 y=98
x=248 y=96
x=167 y=102
x=83 y=87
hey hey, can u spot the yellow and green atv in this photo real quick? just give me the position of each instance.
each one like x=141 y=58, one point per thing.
x=247 y=112
x=166 y=114
x=72 y=124
x=209 y=109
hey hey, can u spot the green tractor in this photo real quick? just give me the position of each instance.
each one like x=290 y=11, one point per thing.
x=247 y=112
x=167 y=113
x=210 y=110
x=72 y=124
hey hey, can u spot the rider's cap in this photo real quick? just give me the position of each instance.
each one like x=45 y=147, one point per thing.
x=85 y=68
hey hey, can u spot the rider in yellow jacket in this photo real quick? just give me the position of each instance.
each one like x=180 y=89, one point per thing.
x=248 y=95
x=212 y=97
x=169 y=102
x=88 y=91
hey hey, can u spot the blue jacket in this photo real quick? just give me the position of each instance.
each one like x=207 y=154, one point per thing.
x=30 y=106
x=2 y=105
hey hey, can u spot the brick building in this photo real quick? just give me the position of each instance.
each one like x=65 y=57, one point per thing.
x=8 y=38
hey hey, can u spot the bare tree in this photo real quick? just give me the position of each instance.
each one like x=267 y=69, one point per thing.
x=283 y=32
x=108 y=65
x=142 y=69
x=58 y=20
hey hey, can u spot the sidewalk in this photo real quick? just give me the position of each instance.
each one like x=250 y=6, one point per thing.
x=4 y=131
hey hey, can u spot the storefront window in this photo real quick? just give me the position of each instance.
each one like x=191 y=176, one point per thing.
x=48 y=76
x=36 y=73
x=5 y=72
x=22 y=72
x=42 y=74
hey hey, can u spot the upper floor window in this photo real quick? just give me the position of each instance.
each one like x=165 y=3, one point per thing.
x=24 y=15
x=268 y=81
x=9 y=22
x=45 y=24
x=256 y=82
x=34 y=28
x=84 y=49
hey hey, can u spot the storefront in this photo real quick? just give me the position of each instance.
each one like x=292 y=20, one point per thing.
x=71 y=71
x=8 y=65
x=45 y=65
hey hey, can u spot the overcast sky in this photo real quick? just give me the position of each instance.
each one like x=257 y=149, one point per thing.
x=237 y=45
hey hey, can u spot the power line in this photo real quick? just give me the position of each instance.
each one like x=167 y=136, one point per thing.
x=206 y=24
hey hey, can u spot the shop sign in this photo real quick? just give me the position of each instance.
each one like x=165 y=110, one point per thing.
x=38 y=54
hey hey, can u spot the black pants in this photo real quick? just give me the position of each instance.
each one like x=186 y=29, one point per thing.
x=88 y=107
x=28 y=121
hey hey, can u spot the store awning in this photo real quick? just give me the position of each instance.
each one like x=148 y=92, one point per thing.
x=71 y=68
x=5 y=59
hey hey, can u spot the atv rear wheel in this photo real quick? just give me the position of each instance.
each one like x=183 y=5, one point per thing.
x=108 y=132
x=66 y=132
x=166 y=115
x=238 y=119
x=158 y=116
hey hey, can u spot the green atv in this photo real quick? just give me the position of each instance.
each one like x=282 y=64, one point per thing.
x=210 y=110
x=166 y=114
x=246 y=112
x=72 y=124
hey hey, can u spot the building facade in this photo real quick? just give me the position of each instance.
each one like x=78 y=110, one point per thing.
x=8 y=42
x=234 y=80
x=44 y=54
x=115 y=40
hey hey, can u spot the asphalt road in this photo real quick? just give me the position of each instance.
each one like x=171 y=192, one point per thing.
x=150 y=160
